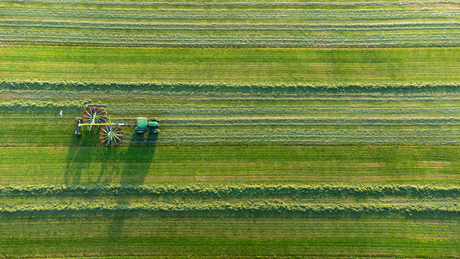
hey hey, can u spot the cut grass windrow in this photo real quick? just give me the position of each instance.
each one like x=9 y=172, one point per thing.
x=267 y=208
x=237 y=3
x=206 y=191
x=256 y=89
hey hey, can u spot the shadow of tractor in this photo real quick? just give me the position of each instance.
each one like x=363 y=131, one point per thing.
x=138 y=158
x=137 y=161
x=129 y=163
x=89 y=161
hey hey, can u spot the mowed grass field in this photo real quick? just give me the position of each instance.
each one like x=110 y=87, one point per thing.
x=329 y=152
x=216 y=237
x=277 y=23
x=250 y=139
x=246 y=65
x=234 y=172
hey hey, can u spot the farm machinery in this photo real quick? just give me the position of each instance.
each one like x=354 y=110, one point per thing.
x=111 y=133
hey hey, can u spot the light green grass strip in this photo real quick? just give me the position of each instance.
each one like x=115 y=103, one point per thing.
x=258 y=164
x=230 y=65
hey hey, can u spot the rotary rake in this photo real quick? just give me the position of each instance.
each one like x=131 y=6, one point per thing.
x=111 y=133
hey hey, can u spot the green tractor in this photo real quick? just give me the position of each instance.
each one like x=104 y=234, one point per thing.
x=143 y=125
x=111 y=133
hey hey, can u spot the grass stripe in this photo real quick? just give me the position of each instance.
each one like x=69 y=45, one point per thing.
x=315 y=164
x=185 y=65
x=238 y=237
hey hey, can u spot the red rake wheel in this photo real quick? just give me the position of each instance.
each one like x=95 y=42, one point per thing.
x=94 y=115
x=111 y=135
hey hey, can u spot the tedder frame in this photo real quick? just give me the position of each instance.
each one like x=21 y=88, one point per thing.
x=111 y=132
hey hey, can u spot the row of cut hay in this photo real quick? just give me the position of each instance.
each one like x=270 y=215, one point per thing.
x=257 y=208
x=241 y=3
x=301 y=135
x=321 y=39
x=231 y=27
x=235 y=191
x=309 y=121
x=260 y=114
x=257 y=88
x=260 y=15
x=284 y=110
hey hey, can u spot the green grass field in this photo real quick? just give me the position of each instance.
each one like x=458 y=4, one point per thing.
x=289 y=129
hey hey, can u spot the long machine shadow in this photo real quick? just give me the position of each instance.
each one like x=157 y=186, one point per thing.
x=89 y=161
x=137 y=161
x=87 y=156
x=80 y=156
x=138 y=158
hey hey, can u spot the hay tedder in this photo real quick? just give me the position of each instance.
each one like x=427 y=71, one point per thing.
x=111 y=133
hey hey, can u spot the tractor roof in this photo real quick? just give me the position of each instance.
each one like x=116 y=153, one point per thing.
x=141 y=122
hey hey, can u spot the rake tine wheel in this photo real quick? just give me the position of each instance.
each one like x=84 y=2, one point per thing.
x=111 y=135
x=94 y=115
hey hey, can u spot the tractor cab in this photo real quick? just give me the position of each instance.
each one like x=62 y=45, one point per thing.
x=143 y=125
